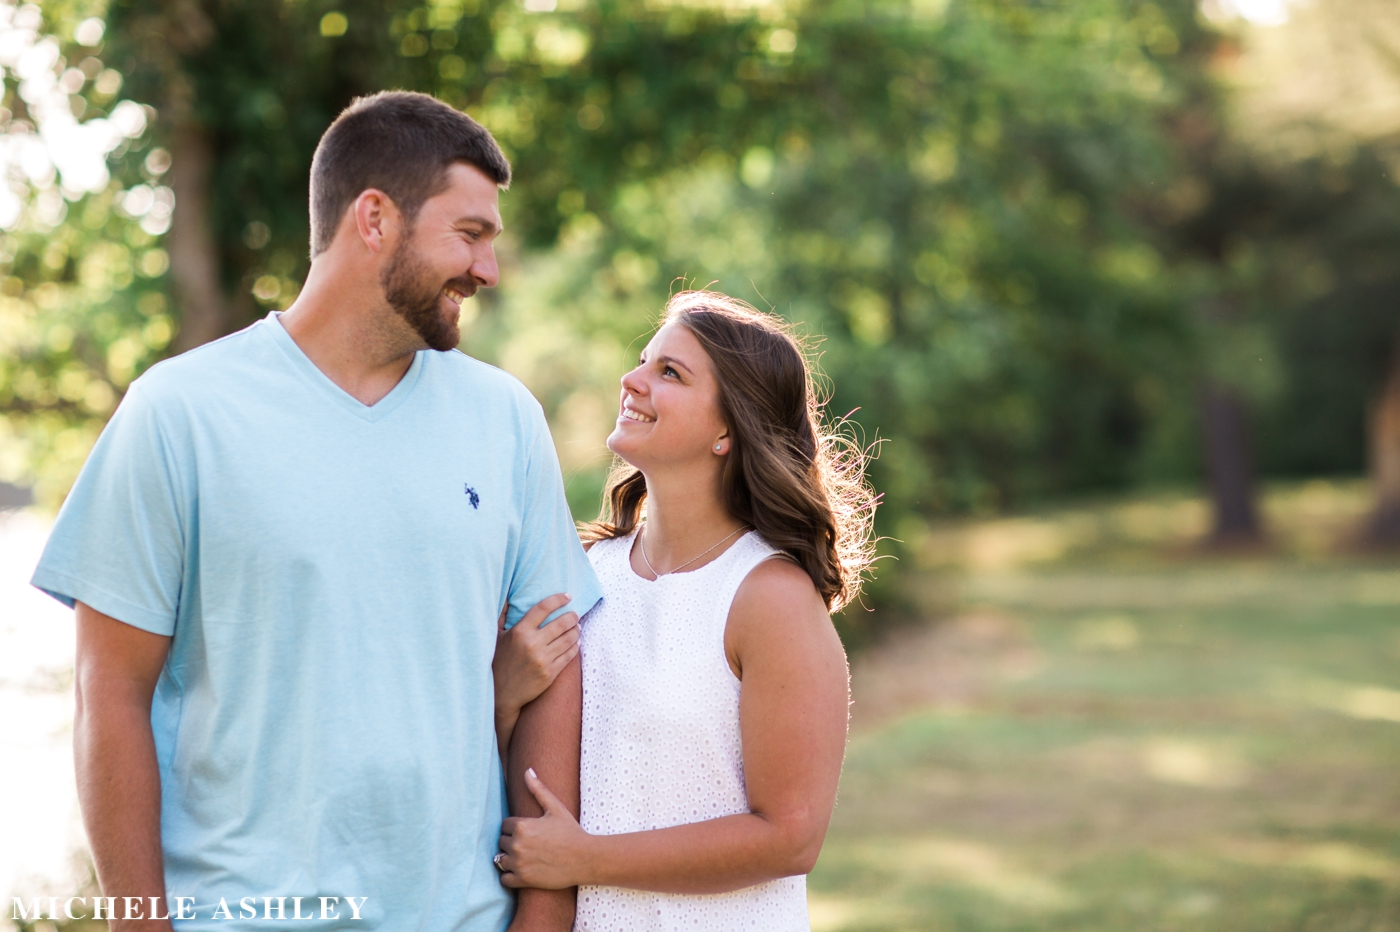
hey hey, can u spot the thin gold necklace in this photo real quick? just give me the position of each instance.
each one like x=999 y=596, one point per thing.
x=642 y=540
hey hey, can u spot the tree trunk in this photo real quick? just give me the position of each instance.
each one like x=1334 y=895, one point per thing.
x=194 y=253
x=1230 y=467
x=169 y=33
x=1383 y=438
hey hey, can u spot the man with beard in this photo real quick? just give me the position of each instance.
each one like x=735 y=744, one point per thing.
x=287 y=554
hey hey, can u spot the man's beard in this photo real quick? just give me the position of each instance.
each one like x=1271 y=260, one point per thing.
x=410 y=291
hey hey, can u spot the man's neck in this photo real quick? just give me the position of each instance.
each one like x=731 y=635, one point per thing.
x=365 y=350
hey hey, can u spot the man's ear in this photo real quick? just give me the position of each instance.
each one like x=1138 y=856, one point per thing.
x=377 y=219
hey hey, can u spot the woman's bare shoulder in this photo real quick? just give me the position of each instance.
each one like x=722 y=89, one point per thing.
x=778 y=597
x=780 y=575
x=778 y=625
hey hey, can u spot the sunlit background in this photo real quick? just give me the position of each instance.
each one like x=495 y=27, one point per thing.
x=1112 y=287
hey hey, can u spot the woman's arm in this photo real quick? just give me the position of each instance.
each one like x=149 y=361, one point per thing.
x=528 y=658
x=792 y=713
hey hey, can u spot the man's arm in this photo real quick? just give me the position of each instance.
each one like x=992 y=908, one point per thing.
x=114 y=751
x=547 y=738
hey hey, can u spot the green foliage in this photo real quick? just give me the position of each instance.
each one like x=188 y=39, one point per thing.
x=996 y=219
x=940 y=192
x=82 y=305
x=944 y=196
x=1336 y=323
x=264 y=83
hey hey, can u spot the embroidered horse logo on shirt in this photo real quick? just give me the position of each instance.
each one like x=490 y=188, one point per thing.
x=472 y=496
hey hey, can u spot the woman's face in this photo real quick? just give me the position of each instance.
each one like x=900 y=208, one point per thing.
x=669 y=410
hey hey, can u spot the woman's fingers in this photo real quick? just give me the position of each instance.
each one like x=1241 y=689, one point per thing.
x=529 y=657
x=505 y=863
x=562 y=631
x=531 y=848
x=565 y=627
x=562 y=660
x=560 y=644
x=545 y=645
x=544 y=656
x=536 y=616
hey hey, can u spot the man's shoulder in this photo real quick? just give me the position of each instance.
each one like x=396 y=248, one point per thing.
x=200 y=370
x=489 y=384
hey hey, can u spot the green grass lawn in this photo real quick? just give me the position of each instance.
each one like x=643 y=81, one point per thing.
x=1128 y=736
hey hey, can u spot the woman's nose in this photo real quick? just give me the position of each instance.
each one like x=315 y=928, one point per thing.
x=632 y=382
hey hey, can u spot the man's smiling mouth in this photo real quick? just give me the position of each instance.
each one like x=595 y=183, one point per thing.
x=455 y=296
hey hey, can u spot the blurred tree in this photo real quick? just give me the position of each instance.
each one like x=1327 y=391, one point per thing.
x=1322 y=92
x=943 y=191
x=990 y=211
x=1219 y=208
x=82 y=309
x=940 y=191
x=244 y=89
x=1338 y=328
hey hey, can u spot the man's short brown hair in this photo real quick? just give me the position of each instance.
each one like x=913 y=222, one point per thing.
x=401 y=143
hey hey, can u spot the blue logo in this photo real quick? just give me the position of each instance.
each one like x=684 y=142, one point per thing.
x=472 y=496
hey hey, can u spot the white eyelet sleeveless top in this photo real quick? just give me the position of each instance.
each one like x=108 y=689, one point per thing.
x=661 y=743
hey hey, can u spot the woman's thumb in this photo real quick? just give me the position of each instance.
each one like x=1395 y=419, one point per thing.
x=547 y=800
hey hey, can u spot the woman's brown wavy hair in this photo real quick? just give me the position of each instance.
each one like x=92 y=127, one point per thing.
x=798 y=483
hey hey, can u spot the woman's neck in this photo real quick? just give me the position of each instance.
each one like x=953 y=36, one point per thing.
x=683 y=520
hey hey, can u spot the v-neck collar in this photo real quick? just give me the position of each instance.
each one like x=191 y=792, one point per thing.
x=309 y=371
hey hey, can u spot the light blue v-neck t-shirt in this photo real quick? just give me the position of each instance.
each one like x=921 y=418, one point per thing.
x=331 y=575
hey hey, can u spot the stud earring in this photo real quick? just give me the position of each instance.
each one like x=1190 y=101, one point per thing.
x=717 y=446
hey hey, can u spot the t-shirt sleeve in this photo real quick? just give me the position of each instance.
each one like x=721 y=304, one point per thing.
x=119 y=542
x=550 y=557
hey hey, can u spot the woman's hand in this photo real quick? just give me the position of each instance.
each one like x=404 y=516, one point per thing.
x=546 y=853
x=528 y=658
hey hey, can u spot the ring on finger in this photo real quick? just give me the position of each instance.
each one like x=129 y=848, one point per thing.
x=500 y=856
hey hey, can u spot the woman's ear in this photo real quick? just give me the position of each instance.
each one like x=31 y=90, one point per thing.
x=721 y=446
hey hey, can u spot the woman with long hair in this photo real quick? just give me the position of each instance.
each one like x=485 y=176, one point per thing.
x=715 y=688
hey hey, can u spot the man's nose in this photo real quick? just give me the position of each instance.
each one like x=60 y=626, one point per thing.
x=484 y=268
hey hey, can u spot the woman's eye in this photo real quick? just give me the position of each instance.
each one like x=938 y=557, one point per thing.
x=669 y=371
